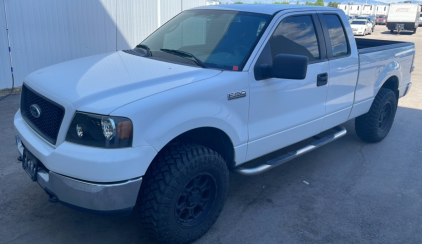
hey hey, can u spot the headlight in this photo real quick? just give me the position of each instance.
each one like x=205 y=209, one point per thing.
x=100 y=131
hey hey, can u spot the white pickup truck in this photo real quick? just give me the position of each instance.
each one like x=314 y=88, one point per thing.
x=161 y=125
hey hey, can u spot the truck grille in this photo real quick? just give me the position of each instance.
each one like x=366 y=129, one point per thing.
x=47 y=122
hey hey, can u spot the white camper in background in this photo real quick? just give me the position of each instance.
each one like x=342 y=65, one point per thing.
x=381 y=10
x=355 y=9
x=368 y=9
x=403 y=16
x=344 y=7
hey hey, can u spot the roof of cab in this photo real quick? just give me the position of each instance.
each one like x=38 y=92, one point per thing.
x=264 y=8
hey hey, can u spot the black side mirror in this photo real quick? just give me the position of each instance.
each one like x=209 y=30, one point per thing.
x=288 y=66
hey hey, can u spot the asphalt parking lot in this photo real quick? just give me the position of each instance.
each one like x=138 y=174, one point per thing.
x=356 y=192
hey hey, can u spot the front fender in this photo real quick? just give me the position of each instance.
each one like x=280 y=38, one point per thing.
x=160 y=118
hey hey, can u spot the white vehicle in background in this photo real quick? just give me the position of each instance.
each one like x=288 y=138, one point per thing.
x=420 y=19
x=344 y=7
x=355 y=9
x=381 y=10
x=361 y=27
x=403 y=16
x=368 y=9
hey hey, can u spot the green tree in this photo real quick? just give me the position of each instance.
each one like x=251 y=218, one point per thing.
x=297 y=3
x=333 y=4
x=238 y=2
x=319 y=3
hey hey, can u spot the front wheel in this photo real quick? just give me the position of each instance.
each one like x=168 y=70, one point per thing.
x=183 y=193
x=375 y=125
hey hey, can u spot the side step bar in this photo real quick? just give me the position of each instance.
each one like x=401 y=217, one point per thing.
x=341 y=131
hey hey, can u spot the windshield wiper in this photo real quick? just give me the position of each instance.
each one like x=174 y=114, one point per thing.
x=184 y=54
x=149 y=53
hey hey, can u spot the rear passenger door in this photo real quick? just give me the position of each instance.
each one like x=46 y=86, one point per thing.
x=343 y=65
x=285 y=111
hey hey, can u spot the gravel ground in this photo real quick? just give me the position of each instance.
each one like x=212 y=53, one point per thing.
x=357 y=192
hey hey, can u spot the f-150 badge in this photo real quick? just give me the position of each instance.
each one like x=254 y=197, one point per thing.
x=235 y=95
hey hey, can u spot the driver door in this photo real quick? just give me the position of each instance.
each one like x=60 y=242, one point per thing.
x=285 y=111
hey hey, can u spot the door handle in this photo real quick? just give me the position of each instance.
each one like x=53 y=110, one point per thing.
x=322 y=79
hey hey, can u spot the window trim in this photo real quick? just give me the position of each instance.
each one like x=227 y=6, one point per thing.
x=327 y=35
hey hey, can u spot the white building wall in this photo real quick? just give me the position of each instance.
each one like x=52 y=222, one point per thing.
x=43 y=33
x=169 y=8
x=135 y=21
x=47 y=32
x=187 y=4
x=5 y=72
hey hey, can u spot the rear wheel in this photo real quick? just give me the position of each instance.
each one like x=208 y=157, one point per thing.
x=375 y=125
x=391 y=31
x=183 y=193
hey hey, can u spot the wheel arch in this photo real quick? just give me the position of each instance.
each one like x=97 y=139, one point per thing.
x=392 y=83
x=211 y=137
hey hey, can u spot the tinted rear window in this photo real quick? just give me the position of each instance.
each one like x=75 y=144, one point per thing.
x=339 y=46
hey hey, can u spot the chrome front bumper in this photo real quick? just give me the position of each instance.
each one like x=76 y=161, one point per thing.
x=101 y=198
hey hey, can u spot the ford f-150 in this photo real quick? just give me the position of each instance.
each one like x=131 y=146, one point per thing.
x=161 y=125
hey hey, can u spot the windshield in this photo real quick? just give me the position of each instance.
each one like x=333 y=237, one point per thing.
x=358 y=22
x=382 y=17
x=217 y=38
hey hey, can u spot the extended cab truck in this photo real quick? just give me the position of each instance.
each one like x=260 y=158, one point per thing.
x=212 y=89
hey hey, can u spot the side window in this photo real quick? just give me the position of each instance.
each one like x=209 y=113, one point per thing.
x=337 y=35
x=295 y=35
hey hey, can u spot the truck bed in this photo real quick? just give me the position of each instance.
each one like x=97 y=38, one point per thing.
x=374 y=45
x=378 y=61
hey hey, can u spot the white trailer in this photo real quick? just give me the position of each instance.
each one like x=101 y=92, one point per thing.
x=355 y=9
x=344 y=7
x=368 y=9
x=403 y=16
x=381 y=10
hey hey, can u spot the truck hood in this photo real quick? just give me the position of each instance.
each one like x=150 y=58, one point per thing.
x=105 y=82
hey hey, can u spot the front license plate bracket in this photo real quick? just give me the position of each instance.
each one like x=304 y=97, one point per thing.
x=30 y=164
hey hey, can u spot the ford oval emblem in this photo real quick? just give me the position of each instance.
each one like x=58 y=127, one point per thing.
x=35 y=110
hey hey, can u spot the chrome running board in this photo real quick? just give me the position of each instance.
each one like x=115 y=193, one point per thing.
x=341 y=131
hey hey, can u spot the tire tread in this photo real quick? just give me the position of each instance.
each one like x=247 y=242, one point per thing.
x=172 y=161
